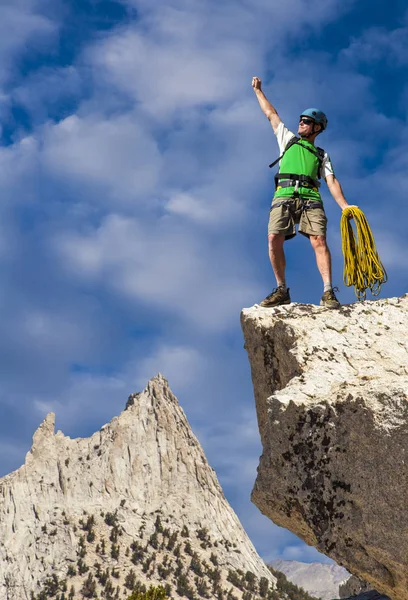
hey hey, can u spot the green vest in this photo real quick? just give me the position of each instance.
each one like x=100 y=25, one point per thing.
x=301 y=162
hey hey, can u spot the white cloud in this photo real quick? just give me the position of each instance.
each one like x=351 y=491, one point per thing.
x=377 y=44
x=117 y=156
x=301 y=552
x=171 y=74
x=182 y=365
x=164 y=265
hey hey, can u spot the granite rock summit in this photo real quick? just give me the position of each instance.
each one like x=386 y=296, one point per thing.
x=331 y=393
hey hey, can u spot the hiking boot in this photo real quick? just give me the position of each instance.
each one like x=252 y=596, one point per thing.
x=277 y=297
x=329 y=299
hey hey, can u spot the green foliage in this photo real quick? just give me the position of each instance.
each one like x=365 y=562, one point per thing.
x=81 y=547
x=203 y=535
x=108 y=591
x=71 y=571
x=91 y=536
x=237 y=579
x=115 y=551
x=214 y=575
x=164 y=571
x=202 y=588
x=88 y=590
x=51 y=585
x=263 y=587
x=130 y=580
x=213 y=559
x=183 y=587
x=102 y=576
x=177 y=551
x=195 y=565
x=185 y=532
x=153 y=593
x=188 y=549
x=111 y=519
x=149 y=560
x=250 y=580
x=158 y=525
x=114 y=534
x=82 y=567
x=172 y=541
x=138 y=552
x=179 y=568
x=89 y=523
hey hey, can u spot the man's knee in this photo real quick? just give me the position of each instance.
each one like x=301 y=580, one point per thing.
x=318 y=242
x=275 y=240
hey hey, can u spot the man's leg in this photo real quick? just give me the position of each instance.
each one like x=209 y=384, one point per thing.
x=323 y=257
x=323 y=260
x=277 y=257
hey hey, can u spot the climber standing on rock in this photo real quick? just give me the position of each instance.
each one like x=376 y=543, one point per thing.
x=297 y=199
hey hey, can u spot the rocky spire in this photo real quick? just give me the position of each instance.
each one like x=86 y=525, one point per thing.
x=136 y=491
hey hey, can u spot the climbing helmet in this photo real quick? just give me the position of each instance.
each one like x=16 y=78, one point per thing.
x=317 y=115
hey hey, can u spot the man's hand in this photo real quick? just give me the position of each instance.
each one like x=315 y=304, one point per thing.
x=256 y=83
x=350 y=216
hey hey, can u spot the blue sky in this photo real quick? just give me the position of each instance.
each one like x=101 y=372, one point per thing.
x=134 y=198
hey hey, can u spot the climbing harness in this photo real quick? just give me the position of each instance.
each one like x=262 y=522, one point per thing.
x=294 y=180
x=362 y=266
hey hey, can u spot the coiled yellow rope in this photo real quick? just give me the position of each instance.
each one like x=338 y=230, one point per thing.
x=362 y=265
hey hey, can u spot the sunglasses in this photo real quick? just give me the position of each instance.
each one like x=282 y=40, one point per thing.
x=306 y=121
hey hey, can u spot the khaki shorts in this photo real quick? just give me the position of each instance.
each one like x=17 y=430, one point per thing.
x=283 y=218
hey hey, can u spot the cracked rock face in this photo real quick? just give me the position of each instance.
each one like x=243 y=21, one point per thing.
x=144 y=463
x=331 y=393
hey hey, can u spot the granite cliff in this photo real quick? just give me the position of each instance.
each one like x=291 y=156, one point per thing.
x=135 y=504
x=331 y=395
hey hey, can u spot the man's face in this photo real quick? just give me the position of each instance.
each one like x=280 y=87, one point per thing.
x=306 y=127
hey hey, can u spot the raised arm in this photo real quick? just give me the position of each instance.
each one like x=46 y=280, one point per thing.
x=269 y=111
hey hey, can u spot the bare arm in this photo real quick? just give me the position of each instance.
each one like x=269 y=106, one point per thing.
x=269 y=111
x=335 y=189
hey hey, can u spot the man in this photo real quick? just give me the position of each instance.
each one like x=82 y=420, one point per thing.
x=297 y=199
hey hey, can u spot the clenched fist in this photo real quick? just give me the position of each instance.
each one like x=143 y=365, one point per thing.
x=256 y=83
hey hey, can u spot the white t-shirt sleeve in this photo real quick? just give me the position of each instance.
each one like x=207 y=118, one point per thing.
x=283 y=135
x=327 y=167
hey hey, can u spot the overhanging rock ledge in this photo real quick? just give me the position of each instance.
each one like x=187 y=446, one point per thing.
x=331 y=393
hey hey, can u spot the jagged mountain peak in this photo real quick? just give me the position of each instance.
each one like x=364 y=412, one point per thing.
x=132 y=489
